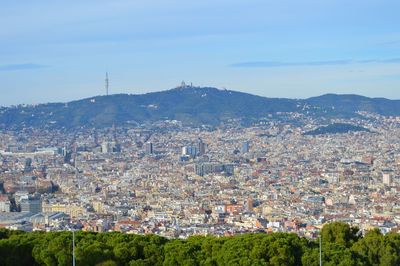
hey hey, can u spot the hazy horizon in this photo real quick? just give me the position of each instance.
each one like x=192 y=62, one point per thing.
x=60 y=51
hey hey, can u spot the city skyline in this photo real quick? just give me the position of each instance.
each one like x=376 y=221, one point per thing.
x=206 y=132
x=52 y=52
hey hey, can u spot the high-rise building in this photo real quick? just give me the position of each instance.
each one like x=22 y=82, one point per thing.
x=28 y=165
x=110 y=146
x=201 y=147
x=31 y=205
x=64 y=151
x=202 y=169
x=5 y=204
x=245 y=146
x=184 y=150
x=105 y=147
x=228 y=169
x=149 y=148
x=386 y=179
x=116 y=147
x=190 y=151
x=249 y=204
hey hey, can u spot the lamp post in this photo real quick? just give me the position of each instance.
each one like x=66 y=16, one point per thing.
x=320 y=250
x=73 y=247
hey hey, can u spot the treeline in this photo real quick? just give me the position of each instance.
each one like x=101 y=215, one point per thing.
x=341 y=245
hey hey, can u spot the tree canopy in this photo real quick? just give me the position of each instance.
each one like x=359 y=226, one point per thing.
x=341 y=245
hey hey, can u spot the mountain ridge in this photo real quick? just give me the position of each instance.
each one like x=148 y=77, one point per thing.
x=190 y=105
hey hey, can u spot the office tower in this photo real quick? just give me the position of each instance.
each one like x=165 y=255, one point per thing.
x=199 y=169
x=149 y=148
x=5 y=204
x=190 y=150
x=28 y=165
x=31 y=205
x=184 y=150
x=108 y=147
x=245 y=146
x=250 y=204
x=201 y=146
x=386 y=179
x=105 y=147
x=64 y=151
x=116 y=147
x=229 y=169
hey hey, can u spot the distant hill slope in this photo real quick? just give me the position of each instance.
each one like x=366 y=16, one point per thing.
x=350 y=103
x=336 y=128
x=191 y=105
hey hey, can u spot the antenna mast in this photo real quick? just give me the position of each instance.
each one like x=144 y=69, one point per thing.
x=106 y=83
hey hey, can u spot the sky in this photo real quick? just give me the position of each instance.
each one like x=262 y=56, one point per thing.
x=58 y=51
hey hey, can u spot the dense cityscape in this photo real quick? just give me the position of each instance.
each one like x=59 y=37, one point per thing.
x=200 y=133
x=176 y=181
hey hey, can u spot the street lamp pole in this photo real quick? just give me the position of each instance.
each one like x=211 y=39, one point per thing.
x=73 y=247
x=320 y=250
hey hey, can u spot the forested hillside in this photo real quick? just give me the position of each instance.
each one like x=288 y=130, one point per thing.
x=191 y=106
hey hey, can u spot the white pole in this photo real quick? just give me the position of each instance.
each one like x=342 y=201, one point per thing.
x=73 y=247
x=320 y=250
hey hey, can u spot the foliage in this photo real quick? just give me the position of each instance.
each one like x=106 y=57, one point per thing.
x=340 y=233
x=336 y=128
x=341 y=245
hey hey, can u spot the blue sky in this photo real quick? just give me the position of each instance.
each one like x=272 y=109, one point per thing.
x=60 y=50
